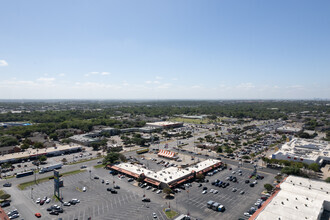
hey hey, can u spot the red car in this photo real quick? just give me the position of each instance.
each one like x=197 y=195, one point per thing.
x=38 y=215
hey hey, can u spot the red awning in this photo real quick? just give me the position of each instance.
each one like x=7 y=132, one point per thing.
x=166 y=153
x=153 y=182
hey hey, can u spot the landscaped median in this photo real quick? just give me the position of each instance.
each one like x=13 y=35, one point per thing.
x=23 y=186
x=99 y=166
x=85 y=160
x=170 y=213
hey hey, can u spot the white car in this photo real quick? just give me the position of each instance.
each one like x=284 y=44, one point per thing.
x=204 y=192
x=233 y=172
x=211 y=190
x=255 y=182
x=159 y=191
x=107 y=182
x=234 y=189
x=247 y=214
x=84 y=189
x=215 y=191
x=48 y=200
x=154 y=215
x=38 y=200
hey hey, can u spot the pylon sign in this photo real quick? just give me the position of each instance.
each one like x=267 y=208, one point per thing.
x=57 y=184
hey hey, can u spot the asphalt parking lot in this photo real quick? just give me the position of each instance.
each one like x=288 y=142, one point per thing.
x=236 y=204
x=97 y=202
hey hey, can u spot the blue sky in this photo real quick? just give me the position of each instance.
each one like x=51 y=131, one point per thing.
x=165 y=49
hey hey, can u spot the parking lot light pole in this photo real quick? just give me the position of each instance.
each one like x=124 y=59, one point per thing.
x=90 y=174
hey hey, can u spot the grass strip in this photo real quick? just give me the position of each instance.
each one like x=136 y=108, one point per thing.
x=23 y=186
x=99 y=166
x=170 y=214
x=83 y=161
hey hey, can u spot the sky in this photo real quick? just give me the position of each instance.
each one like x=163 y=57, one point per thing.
x=173 y=49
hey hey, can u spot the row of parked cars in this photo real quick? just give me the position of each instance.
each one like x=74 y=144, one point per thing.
x=256 y=206
x=13 y=214
x=43 y=201
x=215 y=206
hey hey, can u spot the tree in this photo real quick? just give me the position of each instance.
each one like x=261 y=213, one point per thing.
x=200 y=177
x=314 y=166
x=38 y=145
x=167 y=191
x=268 y=187
x=5 y=196
x=64 y=160
x=219 y=149
x=42 y=158
x=25 y=146
x=327 y=180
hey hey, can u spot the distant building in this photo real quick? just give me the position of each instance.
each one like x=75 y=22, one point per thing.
x=306 y=151
x=296 y=198
x=289 y=130
x=165 y=124
x=9 y=150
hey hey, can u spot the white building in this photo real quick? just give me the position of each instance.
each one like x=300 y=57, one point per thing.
x=306 y=151
x=296 y=198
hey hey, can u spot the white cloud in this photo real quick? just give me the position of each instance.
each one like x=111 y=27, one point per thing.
x=159 y=77
x=164 y=86
x=94 y=73
x=245 y=86
x=46 y=80
x=152 y=82
x=105 y=73
x=61 y=74
x=174 y=79
x=3 y=63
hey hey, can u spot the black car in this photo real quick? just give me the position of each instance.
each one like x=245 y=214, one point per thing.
x=7 y=185
x=116 y=187
x=49 y=209
x=247 y=181
x=204 y=188
x=109 y=189
x=73 y=202
x=96 y=177
x=146 y=200
x=5 y=204
x=200 y=185
x=251 y=184
x=53 y=213
x=114 y=191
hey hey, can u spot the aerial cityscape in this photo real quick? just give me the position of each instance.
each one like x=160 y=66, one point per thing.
x=169 y=110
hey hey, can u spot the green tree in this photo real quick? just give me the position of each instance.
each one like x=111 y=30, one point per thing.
x=314 y=166
x=38 y=145
x=5 y=196
x=42 y=158
x=25 y=146
x=268 y=187
x=327 y=180
x=219 y=149
x=167 y=191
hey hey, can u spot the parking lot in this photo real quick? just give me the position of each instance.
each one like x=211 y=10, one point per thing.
x=195 y=202
x=97 y=202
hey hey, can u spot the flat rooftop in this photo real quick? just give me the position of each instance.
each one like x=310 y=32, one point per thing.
x=170 y=174
x=298 y=198
x=31 y=152
x=163 y=123
x=309 y=149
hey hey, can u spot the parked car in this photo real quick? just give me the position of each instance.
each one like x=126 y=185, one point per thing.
x=84 y=189
x=146 y=200
x=7 y=185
